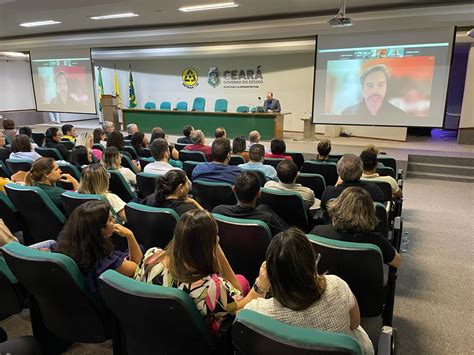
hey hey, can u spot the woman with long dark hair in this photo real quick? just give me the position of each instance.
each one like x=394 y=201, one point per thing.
x=51 y=140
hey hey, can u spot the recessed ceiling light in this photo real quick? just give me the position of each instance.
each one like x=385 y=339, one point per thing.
x=222 y=5
x=108 y=17
x=39 y=23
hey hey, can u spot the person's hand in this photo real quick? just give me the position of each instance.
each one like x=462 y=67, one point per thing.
x=262 y=279
x=123 y=231
x=67 y=178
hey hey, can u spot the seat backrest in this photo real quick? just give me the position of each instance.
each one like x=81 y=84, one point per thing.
x=335 y=157
x=71 y=200
x=145 y=161
x=68 y=144
x=152 y=226
x=254 y=333
x=41 y=216
x=387 y=161
x=16 y=165
x=98 y=146
x=58 y=288
x=328 y=170
x=385 y=187
x=9 y=214
x=288 y=205
x=150 y=105
x=145 y=184
x=244 y=242
x=49 y=153
x=236 y=159
x=4 y=172
x=298 y=158
x=272 y=161
x=221 y=105
x=211 y=194
x=180 y=146
x=360 y=265
x=386 y=171
x=313 y=181
x=199 y=104
x=192 y=155
x=12 y=296
x=188 y=167
x=381 y=213
x=153 y=314
x=165 y=105
x=182 y=106
x=70 y=169
x=119 y=186
x=131 y=150
x=38 y=138
x=242 y=109
x=126 y=162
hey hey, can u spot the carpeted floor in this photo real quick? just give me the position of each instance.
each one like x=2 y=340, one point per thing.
x=433 y=306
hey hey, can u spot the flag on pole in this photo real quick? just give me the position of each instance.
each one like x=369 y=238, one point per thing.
x=100 y=88
x=132 y=100
x=116 y=88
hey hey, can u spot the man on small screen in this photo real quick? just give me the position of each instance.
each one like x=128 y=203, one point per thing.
x=62 y=97
x=271 y=104
x=374 y=88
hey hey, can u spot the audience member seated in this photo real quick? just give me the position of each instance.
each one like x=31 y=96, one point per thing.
x=324 y=149
x=218 y=170
x=112 y=160
x=220 y=132
x=22 y=149
x=80 y=157
x=158 y=132
x=287 y=173
x=301 y=297
x=98 y=137
x=278 y=150
x=372 y=148
x=195 y=263
x=187 y=132
x=139 y=142
x=254 y=138
x=108 y=128
x=44 y=173
x=199 y=143
x=4 y=152
x=29 y=132
x=369 y=161
x=256 y=153
x=86 y=139
x=95 y=180
x=69 y=132
x=349 y=169
x=115 y=139
x=238 y=147
x=172 y=192
x=51 y=140
x=160 y=152
x=247 y=190
x=9 y=128
x=131 y=129
x=354 y=220
x=85 y=238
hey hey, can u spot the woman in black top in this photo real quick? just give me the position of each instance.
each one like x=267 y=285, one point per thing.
x=353 y=220
x=172 y=192
x=140 y=142
x=115 y=139
x=51 y=140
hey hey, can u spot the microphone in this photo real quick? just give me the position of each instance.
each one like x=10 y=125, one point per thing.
x=259 y=98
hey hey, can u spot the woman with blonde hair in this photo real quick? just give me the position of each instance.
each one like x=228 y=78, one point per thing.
x=354 y=220
x=95 y=180
x=111 y=160
x=195 y=263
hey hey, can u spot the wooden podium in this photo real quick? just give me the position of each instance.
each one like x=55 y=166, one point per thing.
x=110 y=109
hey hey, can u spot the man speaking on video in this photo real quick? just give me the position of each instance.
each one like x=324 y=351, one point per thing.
x=271 y=104
x=374 y=88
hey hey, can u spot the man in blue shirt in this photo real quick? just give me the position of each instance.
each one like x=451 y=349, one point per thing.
x=256 y=154
x=218 y=170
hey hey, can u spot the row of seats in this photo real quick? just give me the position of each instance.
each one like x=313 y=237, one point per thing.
x=199 y=103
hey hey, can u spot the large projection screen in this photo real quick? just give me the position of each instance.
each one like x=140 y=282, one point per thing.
x=63 y=81
x=396 y=78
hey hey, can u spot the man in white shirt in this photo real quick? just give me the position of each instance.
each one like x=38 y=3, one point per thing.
x=161 y=153
x=369 y=161
x=287 y=172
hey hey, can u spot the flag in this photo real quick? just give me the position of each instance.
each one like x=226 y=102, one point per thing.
x=100 y=88
x=132 y=100
x=116 y=88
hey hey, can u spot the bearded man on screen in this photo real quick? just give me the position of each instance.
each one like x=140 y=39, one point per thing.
x=374 y=88
x=62 y=97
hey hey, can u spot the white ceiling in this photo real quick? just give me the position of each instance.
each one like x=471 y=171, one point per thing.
x=74 y=14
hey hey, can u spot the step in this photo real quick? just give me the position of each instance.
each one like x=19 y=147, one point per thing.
x=429 y=159
x=446 y=177
x=441 y=169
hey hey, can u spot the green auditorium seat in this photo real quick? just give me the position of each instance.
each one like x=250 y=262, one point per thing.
x=165 y=105
x=313 y=181
x=236 y=159
x=221 y=105
x=49 y=153
x=145 y=184
x=242 y=109
x=211 y=194
x=126 y=162
x=131 y=150
x=16 y=165
x=188 y=167
x=199 y=104
x=150 y=105
x=119 y=186
x=4 y=172
x=272 y=161
x=328 y=170
x=182 y=106
x=68 y=144
x=192 y=155
x=298 y=158
x=71 y=200
x=9 y=214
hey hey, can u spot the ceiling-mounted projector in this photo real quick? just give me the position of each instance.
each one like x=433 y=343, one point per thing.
x=340 y=20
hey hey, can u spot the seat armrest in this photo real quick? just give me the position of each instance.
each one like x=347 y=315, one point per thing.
x=387 y=341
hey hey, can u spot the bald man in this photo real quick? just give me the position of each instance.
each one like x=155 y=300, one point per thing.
x=271 y=104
